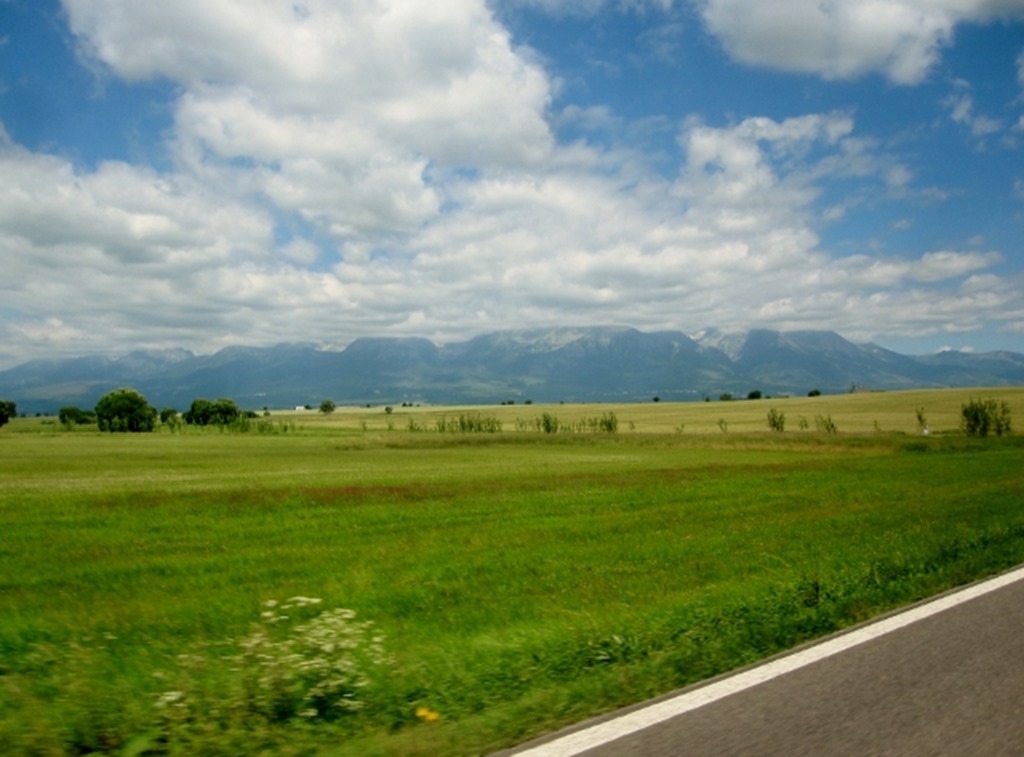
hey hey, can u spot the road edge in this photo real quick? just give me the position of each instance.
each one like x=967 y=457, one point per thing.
x=615 y=725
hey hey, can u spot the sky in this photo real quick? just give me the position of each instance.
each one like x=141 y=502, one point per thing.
x=207 y=173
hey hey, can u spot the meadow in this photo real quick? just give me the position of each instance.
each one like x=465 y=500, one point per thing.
x=362 y=583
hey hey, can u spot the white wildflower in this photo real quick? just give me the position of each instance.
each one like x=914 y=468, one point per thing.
x=169 y=699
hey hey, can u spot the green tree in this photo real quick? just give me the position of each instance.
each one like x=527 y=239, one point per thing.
x=125 y=409
x=8 y=410
x=221 y=412
x=327 y=407
x=754 y=395
x=776 y=420
x=169 y=417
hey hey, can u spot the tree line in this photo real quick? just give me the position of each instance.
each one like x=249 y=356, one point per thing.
x=128 y=410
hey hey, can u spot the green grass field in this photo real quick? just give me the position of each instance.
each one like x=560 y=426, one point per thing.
x=515 y=581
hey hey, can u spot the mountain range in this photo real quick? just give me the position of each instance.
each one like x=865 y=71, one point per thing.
x=596 y=364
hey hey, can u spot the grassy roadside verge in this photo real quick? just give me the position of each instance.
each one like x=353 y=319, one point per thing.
x=518 y=584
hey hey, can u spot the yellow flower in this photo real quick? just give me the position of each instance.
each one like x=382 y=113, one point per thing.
x=427 y=714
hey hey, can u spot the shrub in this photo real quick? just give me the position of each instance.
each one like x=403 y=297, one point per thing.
x=317 y=670
x=8 y=410
x=473 y=423
x=125 y=409
x=979 y=417
x=825 y=424
x=70 y=416
x=922 y=421
x=548 y=423
x=609 y=423
x=221 y=412
x=776 y=420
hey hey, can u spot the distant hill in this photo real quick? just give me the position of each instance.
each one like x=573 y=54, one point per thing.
x=599 y=364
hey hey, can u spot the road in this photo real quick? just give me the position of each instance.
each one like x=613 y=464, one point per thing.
x=945 y=677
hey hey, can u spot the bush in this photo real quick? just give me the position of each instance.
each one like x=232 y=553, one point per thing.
x=922 y=420
x=979 y=417
x=608 y=423
x=318 y=670
x=327 y=407
x=8 y=410
x=825 y=424
x=72 y=416
x=548 y=423
x=222 y=412
x=776 y=420
x=469 y=424
x=125 y=409
x=754 y=395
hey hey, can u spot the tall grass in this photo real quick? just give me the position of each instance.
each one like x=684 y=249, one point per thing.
x=474 y=589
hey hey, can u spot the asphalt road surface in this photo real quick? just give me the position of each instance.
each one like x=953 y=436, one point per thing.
x=945 y=677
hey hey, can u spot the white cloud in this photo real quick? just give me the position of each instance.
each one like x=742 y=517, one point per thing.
x=937 y=266
x=424 y=74
x=345 y=168
x=586 y=7
x=301 y=251
x=342 y=106
x=843 y=39
x=90 y=257
x=122 y=215
x=962 y=111
x=865 y=271
x=121 y=254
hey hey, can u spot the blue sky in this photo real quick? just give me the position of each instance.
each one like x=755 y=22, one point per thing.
x=214 y=172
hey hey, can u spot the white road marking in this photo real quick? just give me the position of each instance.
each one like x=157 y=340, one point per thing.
x=629 y=723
